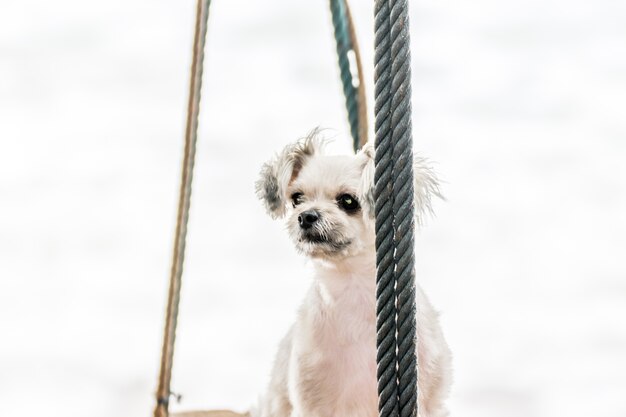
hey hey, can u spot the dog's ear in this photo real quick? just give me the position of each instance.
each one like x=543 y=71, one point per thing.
x=282 y=169
x=366 y=189
x=426 y=184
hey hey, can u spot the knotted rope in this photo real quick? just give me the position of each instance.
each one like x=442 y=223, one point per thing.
x=353 y=84
x=191 y=132
x=394 y=212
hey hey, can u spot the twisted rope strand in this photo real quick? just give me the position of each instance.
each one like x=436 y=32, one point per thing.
x=397 y=379
x=184 y=203
x=383 y=193
x=403 y=207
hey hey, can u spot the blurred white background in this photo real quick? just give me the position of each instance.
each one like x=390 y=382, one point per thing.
x=522 y=104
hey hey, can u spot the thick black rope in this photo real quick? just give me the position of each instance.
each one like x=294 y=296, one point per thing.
x=394 y=187
x=383 y=193
x=403 y=206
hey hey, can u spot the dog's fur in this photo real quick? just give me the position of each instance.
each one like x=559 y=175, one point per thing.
x=326 y=364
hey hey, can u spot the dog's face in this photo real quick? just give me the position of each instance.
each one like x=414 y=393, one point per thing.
x=327 y=200
x=329 y=217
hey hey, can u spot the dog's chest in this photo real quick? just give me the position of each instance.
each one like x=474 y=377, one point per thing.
x=339 y=359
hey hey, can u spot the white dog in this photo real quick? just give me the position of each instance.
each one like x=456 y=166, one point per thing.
x=326 y=364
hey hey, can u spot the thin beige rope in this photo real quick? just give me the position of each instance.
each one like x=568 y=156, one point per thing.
x=191 y=133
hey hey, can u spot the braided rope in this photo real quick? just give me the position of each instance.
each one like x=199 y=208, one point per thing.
x=345 y=38
x=403 y=207
x=383 y=194
x=193 y=109
x=394 y=188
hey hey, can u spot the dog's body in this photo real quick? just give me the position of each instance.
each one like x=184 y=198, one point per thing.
x=326 y=364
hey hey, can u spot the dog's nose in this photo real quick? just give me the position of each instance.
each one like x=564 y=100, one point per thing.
x=308 y=218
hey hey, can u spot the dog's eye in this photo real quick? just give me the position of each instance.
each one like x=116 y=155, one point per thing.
x=348 y=203
x=296 y=198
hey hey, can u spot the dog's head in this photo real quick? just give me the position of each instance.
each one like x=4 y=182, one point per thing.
x=329 y=199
